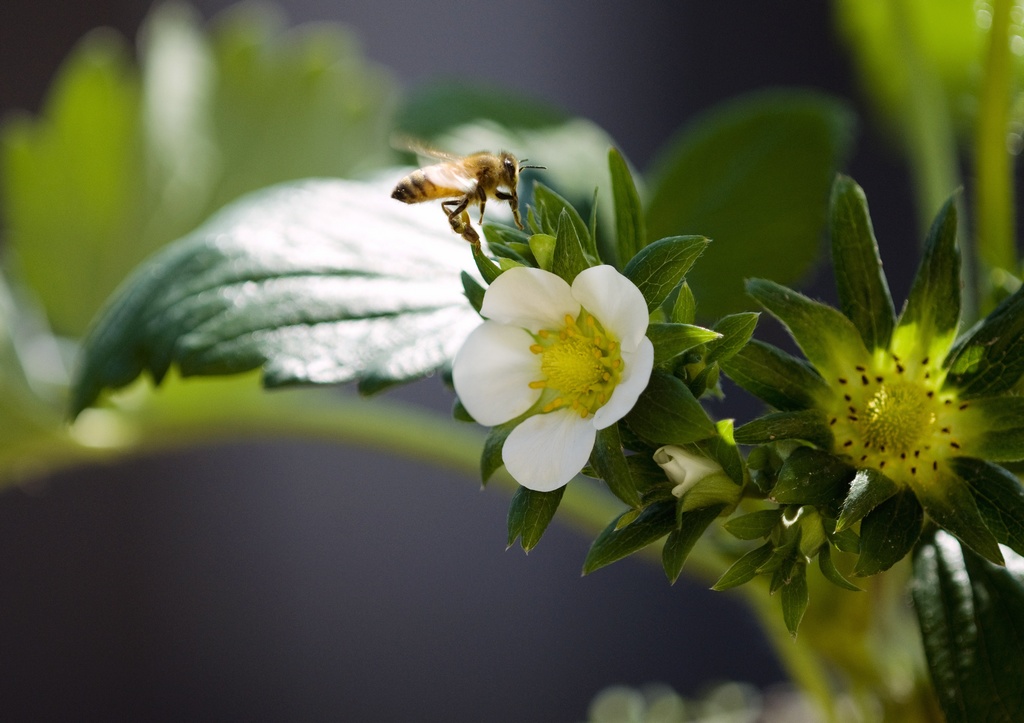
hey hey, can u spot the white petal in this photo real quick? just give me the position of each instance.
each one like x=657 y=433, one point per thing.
x=615 y=301
x=548 y=450
x=533 y=299
x=492 y=372
x=636 y=373
x=683 y=468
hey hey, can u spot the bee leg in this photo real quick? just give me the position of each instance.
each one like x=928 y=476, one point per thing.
x=513 y=202
x=458 y=219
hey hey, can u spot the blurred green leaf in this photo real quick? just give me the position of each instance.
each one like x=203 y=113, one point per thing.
x=569 y=259
x=795 y=598
x=753 y=176
x=630 y=226
x=118 y=165
x=999 y=496
x=681 y=540
x=316 y=282
x=970 y=612
x=610 y=462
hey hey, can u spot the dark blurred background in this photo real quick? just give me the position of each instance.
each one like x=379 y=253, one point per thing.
x=289 y=581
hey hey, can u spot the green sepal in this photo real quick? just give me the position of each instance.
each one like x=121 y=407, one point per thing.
x=550 y=207
x=763 y=464
x=487 y=268
x=888 y=533
x=736 y=330
x=989 y=359
x=845 y=540
x=647 y=475
x=744 y=569
x=568 y=260
x=863 y=290
x=499 y=233
x=529 y=515
x=999 y=496
x=656 y=521
x=969 y=612
x=689 y=527
x=950 y=503
x=795 y=598
x=474 y=291
x=460 y=412
x=722 y=448
x=512 y=253
x=809 y=425
x=993 y=428
x=813 y=477
x=931 y=316
x=781 y=380
x=754 y=525
x=610 y=462
x=829 y=571
x=630 y=226
x=490 y=456
x=869 y=489
x=671 y=340
x=543 y=247
x=668 y=413
x=684 y=308
x=828 y=339
x=659 y=267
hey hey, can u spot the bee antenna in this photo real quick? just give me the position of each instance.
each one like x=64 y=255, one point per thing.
x=523 y=166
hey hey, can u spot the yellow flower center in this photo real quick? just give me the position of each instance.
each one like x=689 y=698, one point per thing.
x=581 y=363
x=893 y=416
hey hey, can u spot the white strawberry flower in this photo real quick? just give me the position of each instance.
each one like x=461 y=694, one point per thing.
x=570 y=359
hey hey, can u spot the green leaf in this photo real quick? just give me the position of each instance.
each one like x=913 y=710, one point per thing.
x=473 y=290
x=754 y=525
x=610 y=462
x=869 y=489
x=999 y=496
x=930 y=319
x=736 y=330
x=722 y=448
x=659 y=267
x=781 y=380
x=950 y=503
x=613 y=543
x=794 y=599
x=543 y=248
x=754 y=175
x=828 y=339
x=888 y=533
x=989 y=360
x=668 y=413
x=744 y=569
x=569 y=259
x=682 y=539
x=863 y=290
x=529 y=515
x=812 y=477
x=809 y=425
x=970 y=612
x=293 y=280
x=829 y=571
x=671 y=340
x=630 y=227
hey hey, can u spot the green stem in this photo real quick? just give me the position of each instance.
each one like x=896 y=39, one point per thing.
x=993 y=163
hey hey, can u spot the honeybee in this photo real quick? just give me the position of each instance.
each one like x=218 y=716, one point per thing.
x=464 y=181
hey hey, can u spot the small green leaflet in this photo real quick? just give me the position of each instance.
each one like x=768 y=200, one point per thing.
x=315 y=282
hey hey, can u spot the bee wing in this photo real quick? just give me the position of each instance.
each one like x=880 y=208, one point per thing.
x=451 y=175
x=406 y=143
